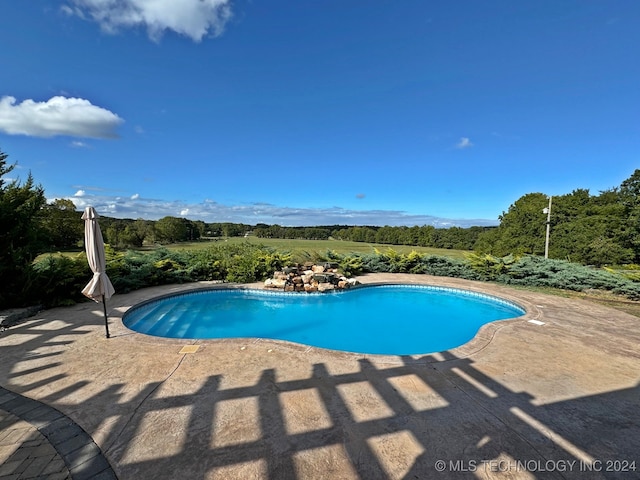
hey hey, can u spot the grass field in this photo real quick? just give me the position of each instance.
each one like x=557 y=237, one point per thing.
x=321 y=246
x=296 y=247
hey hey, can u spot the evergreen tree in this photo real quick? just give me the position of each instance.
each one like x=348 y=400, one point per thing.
x=20 y=241
x=630 y=198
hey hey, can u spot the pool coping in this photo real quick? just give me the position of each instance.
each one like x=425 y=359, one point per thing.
x=480 y=341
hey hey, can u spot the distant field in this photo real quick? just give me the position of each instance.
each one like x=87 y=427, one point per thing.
x=321 y=246
x=297 y=247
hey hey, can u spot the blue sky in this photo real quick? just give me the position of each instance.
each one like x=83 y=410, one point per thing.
x=308 y=113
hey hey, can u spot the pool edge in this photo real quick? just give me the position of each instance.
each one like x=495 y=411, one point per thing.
x=480 y=340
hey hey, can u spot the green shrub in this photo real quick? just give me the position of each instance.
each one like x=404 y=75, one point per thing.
x=537 y=271
x=205 y=264
x=445 y=267
x=246 y=262
x=489 y=267
x=59 y=280
x=350 y=265
x=414 y=262
x=133 y=270
x=630 y=272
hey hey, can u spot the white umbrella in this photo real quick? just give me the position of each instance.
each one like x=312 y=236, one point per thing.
x=100 y=287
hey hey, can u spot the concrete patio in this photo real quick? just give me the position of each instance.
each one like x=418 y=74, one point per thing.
x=559 y=399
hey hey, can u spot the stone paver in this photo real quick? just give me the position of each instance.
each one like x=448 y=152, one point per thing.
x=26 y=453
x=39 y=442
x=554 y=399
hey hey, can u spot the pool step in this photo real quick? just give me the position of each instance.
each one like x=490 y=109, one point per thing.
x=166 y=316
x=179 y=322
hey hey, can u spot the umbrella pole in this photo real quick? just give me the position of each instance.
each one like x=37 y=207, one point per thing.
x=106 y=322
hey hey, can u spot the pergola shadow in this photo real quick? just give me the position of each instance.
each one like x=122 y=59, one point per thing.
x=415 y=420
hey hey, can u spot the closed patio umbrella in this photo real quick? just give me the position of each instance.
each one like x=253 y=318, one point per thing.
x=100 y=287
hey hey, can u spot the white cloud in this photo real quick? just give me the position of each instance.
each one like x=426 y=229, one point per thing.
x=74 y=117
x=191 y=18
x=251 y=214
x=72 y=11
x=80 y=193
x=464 y=143
x=79 y=144
x=135 y=196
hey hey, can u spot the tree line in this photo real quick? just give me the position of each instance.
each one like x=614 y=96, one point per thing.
x=134 y=233
x=589 y=229
x=127 y=233
x=601 y=229
x=584 y=228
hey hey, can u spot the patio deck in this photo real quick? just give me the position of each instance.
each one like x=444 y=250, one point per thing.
x=522 y=400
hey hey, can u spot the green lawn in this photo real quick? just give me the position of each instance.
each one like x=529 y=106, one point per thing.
x=321 y=246
x=303 y=248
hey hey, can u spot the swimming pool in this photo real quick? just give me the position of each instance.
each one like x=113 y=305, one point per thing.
x=381 y=319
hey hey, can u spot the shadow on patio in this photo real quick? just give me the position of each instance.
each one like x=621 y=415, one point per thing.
x=435 y=416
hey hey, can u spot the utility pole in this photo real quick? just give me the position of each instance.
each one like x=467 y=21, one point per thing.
x=546 y=239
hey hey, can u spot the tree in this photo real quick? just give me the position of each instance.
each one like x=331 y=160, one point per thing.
x=630 y=197
x=172 y=229
x=595 y=230
x=20 y=242
x=134 y=234
x=630 y=189
x=62 y=226
x=521 y=229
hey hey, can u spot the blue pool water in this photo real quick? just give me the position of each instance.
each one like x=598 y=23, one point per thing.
x=386 y=319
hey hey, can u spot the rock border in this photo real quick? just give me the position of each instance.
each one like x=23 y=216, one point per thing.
x=14 y=316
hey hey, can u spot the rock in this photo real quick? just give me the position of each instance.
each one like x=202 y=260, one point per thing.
x=275 y=283
x=324 y=287
x=314 y=278
x=320 y=278
x=14 y=316
x=331 y=278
